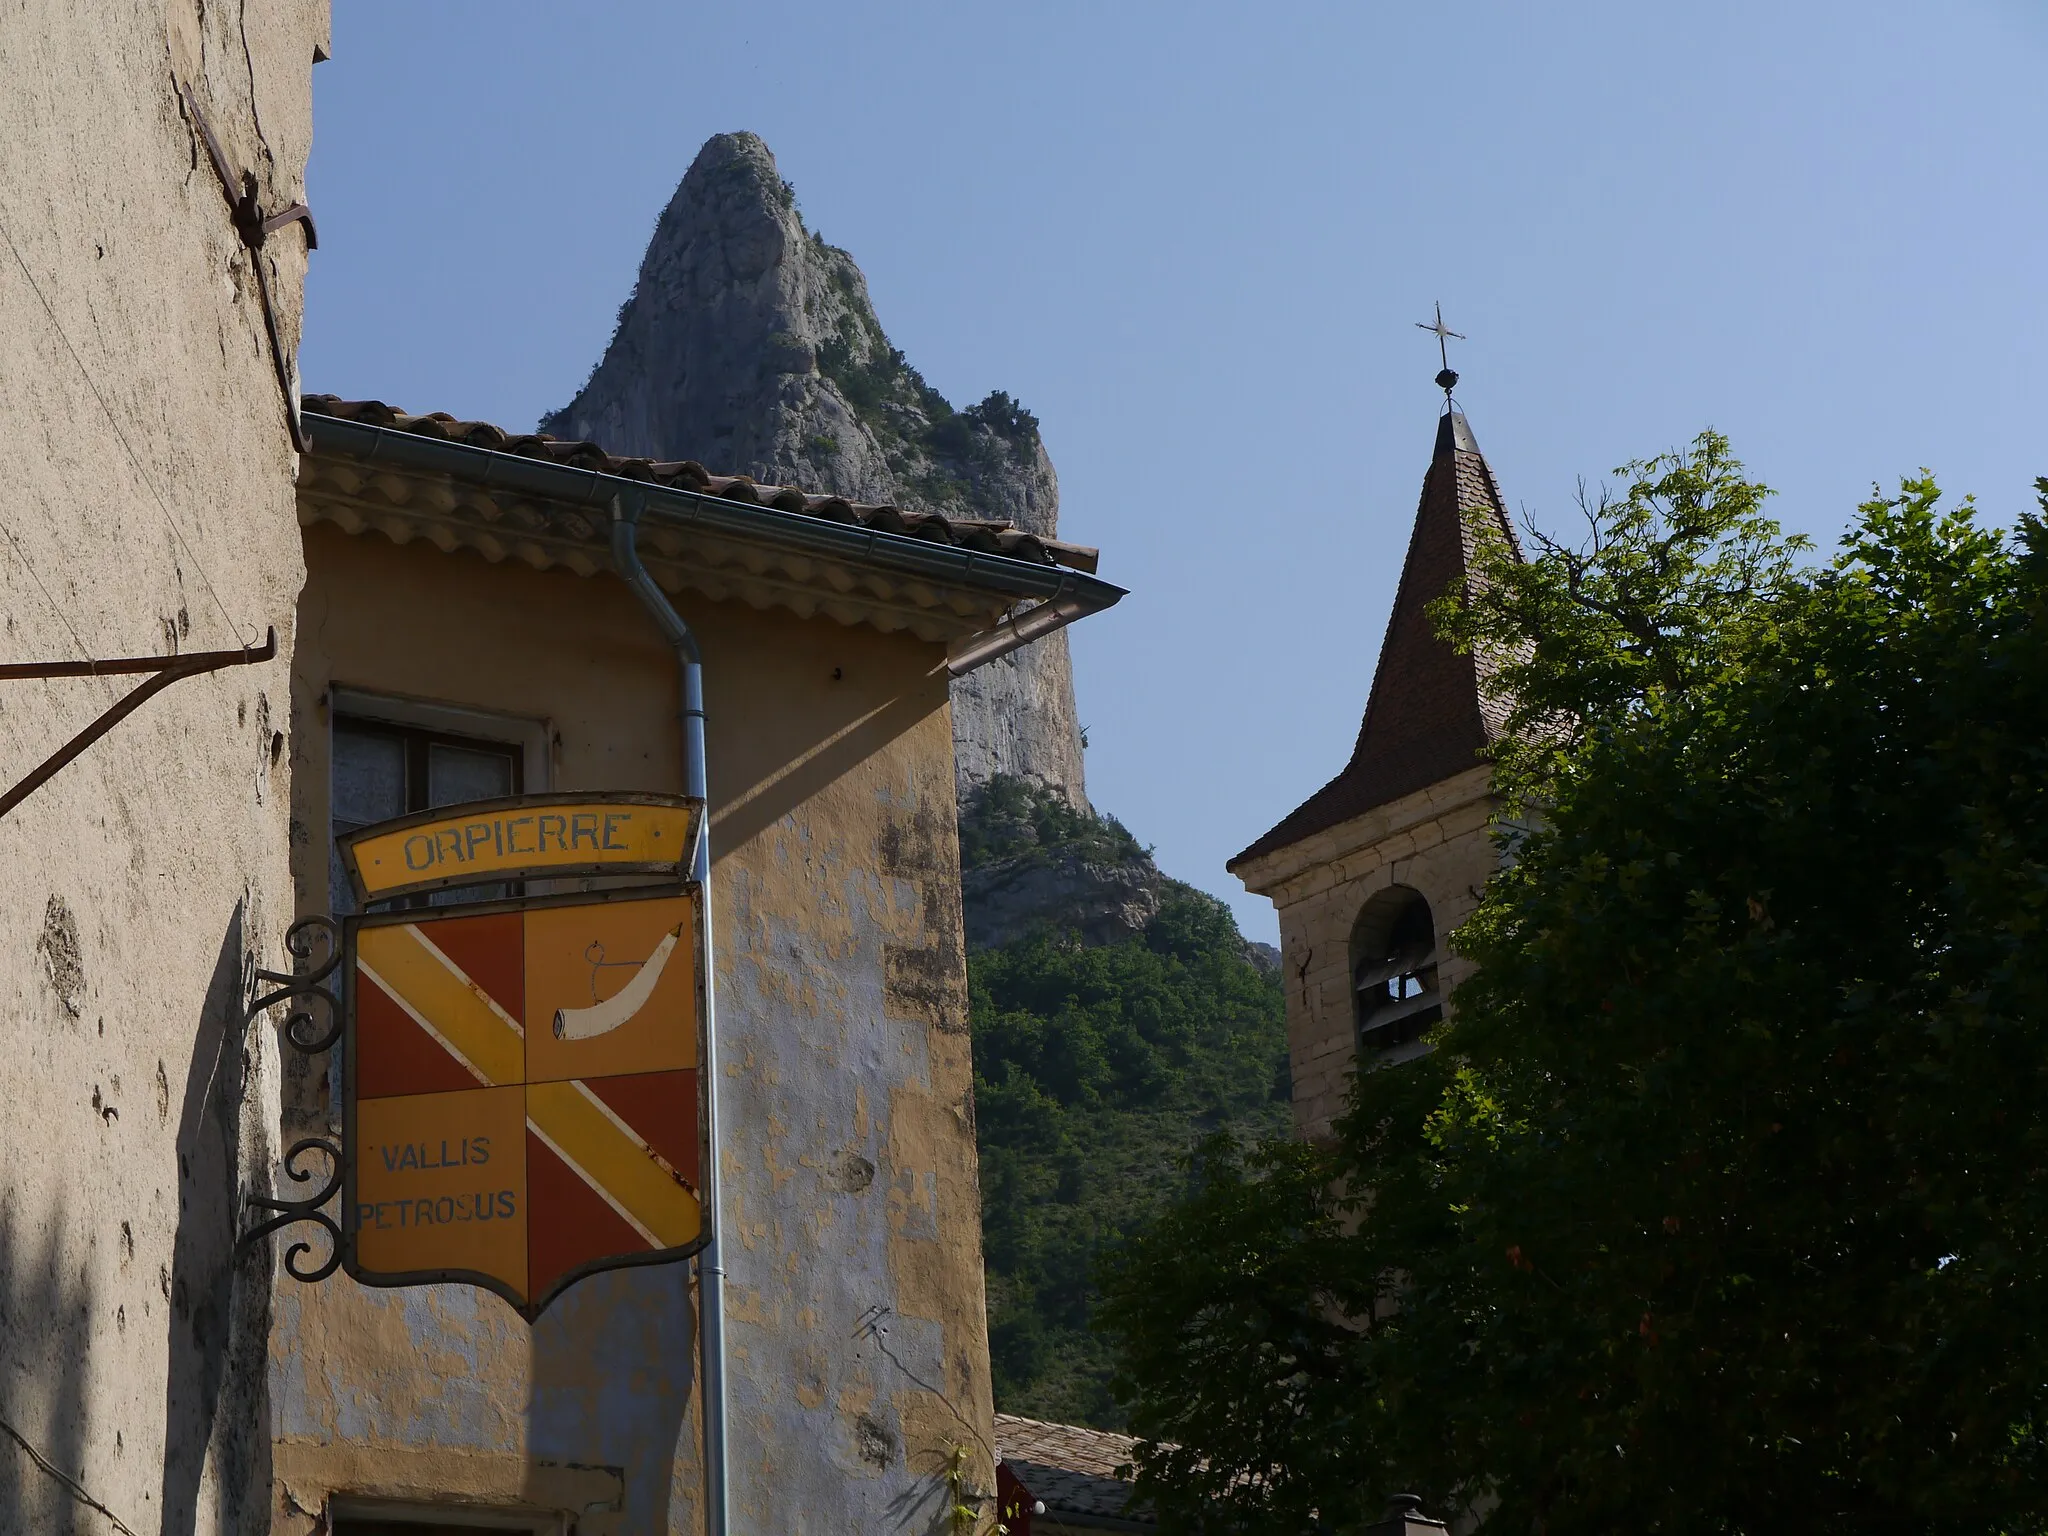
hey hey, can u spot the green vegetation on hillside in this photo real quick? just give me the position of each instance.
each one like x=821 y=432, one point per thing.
x=1012 y=820
x=1097 y=1070
x=939 y=451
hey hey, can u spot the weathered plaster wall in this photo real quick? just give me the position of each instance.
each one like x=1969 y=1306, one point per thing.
x=858 y=1339
x=1437 y=841
x=146 y=497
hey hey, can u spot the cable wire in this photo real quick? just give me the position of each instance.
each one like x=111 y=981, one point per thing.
x=71 y=1484
x=62 y=617
x=114 y=421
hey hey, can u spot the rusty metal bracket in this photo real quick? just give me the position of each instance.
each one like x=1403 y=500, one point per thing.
x=314 y=943
x=254 y=226
x=168 y=670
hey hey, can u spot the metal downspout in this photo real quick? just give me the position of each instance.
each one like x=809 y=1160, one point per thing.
x=710 y=1265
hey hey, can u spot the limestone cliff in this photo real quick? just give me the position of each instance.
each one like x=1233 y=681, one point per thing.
x=750 y=345
x=1031 y=863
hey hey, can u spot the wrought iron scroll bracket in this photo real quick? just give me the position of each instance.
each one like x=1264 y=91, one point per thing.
x=291 y=1212
x=314 y=944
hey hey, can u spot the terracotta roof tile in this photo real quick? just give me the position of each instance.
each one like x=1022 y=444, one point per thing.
x=1428 y=717
x=991 y=537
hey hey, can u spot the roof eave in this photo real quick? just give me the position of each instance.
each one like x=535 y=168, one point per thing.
x=999 y=581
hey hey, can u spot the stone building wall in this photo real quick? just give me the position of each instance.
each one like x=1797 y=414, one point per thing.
x=146 y=494
x=858 y=1344
x=1438 y=842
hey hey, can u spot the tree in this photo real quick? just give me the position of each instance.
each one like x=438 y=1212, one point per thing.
x=1721 y=1204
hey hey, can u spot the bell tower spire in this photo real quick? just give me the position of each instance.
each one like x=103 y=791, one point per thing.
x=1373 y=870
x=1429 y=716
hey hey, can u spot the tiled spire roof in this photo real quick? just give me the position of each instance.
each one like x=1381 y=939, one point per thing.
x=1428 y=717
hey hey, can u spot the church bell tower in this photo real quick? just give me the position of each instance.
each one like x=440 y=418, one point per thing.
x=1374 y=869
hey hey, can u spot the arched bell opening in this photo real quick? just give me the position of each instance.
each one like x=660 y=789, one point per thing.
x=1394 y=970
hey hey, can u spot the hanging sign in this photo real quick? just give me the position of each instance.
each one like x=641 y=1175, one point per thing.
x=532 y=835
x=521 y=1090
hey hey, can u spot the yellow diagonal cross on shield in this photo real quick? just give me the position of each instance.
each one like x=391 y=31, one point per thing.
x=466 y=1021
x=522 y=1092
x=614 y=1160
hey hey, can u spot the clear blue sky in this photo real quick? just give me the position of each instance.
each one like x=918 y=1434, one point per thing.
x=1194 y=238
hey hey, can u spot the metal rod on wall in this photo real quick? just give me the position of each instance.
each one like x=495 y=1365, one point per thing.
x=168 y=670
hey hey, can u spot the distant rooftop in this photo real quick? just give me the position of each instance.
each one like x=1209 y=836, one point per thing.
x=1074 y=1473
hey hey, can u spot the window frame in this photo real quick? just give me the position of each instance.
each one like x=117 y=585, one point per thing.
x=419 y=744
x=421 y=725
x=461 y=724
x=481 y=1517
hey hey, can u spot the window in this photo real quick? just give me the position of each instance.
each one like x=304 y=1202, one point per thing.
x=384 y=769
x=377 y=1517
x=1394 y=969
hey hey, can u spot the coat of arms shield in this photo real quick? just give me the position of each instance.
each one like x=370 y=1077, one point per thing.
x=521 y=1091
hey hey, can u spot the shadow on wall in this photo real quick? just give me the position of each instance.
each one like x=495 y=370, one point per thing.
x=216 y=1417
x=44 y=1319
x=792 y=771
x=614 y=1364
x=906 y=1512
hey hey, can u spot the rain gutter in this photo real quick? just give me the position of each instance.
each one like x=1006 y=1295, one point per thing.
x=1063 y=595
x=625 y=510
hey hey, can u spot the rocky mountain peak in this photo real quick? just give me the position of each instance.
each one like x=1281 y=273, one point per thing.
x=751 y=345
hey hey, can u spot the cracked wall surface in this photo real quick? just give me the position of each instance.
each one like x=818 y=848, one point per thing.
x=858 y=1351
x=147 y=500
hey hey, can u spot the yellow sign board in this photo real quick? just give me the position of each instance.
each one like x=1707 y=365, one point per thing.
x=441 y=1183
x=521 y=1091
x=534 y=835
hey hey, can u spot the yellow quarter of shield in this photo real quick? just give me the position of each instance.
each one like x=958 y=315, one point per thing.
x=441 y=1184
x=560 y=945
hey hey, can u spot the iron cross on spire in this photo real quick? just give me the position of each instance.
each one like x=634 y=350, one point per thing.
x=1447 y=380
